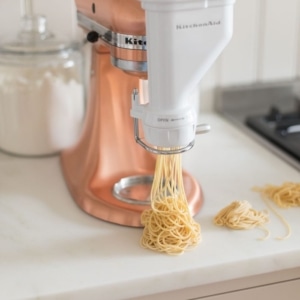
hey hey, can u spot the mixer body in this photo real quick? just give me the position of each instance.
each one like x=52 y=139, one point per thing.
x=148 y=57
x=108 y=174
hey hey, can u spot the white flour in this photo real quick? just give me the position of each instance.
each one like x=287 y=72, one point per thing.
x=41 y=110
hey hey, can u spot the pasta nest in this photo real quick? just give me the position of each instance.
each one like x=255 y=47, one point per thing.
x=169 y=227
x=285 y=195
x=240 y=215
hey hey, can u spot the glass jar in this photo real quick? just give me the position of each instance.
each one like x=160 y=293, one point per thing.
x=41 y=91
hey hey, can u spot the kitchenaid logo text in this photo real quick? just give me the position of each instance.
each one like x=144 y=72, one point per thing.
x=198 y=25
x=135 y=41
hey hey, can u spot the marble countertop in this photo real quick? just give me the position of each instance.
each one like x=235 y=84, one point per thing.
x=50 y=249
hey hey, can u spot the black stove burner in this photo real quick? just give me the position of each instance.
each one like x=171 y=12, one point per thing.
x=282 y=129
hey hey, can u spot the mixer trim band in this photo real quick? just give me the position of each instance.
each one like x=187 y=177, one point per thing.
x=129 y=65
x=126 y=41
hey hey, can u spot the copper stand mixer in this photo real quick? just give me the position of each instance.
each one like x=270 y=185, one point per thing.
x=108 y=173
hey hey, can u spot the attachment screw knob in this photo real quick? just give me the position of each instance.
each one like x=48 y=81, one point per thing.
x=93 y=37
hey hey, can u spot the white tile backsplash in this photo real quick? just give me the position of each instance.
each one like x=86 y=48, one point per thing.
x=279 y=42
x=265 y=47
x=238 y=60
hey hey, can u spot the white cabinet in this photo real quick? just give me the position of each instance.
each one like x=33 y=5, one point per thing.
x=280 y=285
x=289 y=290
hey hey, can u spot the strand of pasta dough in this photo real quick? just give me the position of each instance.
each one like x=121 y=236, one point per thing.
x=168 y=225
x=241 y=215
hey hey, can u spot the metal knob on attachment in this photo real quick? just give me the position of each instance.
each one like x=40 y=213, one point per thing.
x=203 y=128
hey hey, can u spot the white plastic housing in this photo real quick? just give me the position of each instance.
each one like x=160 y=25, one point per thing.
x=184 y=38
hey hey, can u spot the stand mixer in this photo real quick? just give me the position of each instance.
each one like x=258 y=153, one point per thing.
x=148 y=57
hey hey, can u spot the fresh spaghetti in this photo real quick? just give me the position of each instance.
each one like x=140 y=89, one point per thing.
x=285 y=195
x=168 y=224
x=241 y=215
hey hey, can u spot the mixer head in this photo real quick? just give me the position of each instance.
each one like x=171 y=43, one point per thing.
x=170 y=45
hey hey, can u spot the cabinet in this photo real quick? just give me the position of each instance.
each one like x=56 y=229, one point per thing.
x=285 y=290
x=280 y=285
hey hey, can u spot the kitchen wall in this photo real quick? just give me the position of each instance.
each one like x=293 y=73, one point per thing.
x=60 y=14
x=265 y=45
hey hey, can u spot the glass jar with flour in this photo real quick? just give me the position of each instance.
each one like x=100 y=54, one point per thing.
x=41 y=91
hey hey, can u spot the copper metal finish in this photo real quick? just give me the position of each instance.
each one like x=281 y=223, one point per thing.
x=123 y=16
x=136 y=55
x=107 y=151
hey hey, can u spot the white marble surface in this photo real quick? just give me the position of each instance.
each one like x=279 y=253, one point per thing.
x=50 y=249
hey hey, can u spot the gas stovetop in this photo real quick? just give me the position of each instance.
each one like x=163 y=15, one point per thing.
x=282 y=129
x=269 y=113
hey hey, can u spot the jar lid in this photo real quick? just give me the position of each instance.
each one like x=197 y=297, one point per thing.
x=34 y=38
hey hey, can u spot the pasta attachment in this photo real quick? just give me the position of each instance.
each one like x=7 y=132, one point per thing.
x=168 y=224
x=241 y=215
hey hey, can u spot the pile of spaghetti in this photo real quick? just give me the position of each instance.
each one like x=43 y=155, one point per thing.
x=285 y=195
x=241 y=215
x=168 y=225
